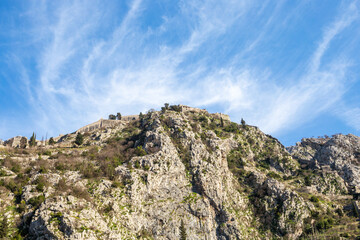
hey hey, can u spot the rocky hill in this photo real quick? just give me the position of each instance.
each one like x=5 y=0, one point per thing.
x=179 y=173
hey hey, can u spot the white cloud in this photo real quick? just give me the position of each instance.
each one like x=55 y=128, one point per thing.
x=82 y=77
x=347 y=17
x=352 y=117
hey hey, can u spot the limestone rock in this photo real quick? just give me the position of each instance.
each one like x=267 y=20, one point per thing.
x=149 y=177
x=341 y=154
x=17 y=142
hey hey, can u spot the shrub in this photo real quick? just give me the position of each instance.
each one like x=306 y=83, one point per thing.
x=36 y=201
x=16 y=168
x=3 y=173
x=314 y=199
x=61 y=185
x=4 y=228
x=56 y=217
x=40 y=183
x=264 y=163
x=108 y=208
x=176 y=108
x=137 y=164
x=89 y=170
x=51 y=141
x=14 y=187
x=21 y=207
x=232 y=127
x=202 y=118
x=307 y=181
x=315 y=214
x=139 y=151
x=118 y=116
x=47 y=153
x=80 y=193
x=117 y=184
x=274 y=175
x=79 y=139
x=324 y=224
x=40 y=187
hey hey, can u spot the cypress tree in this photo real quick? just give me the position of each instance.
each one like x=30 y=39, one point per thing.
x=182 y=231
x=32 y=141
x=243 y=123
x=79 y=139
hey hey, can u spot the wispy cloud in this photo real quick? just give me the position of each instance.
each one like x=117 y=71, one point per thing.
x=92 y=61
x=318 y=89
x=352 y=117
x=344 y=20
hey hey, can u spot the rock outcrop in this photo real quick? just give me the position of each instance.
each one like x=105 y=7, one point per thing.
x=16 y=142
x=337 y=156
x=180 y=171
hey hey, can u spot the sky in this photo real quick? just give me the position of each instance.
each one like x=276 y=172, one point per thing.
x=289 y=67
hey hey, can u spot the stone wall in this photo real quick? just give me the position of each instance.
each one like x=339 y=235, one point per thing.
x=223 y=116
x=198 y=110
x=98 y=124
x=130 y=118
x=106 y=123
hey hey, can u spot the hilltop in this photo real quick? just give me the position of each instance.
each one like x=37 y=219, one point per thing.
x=178 y=173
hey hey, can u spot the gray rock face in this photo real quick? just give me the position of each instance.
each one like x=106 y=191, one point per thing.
x=279 y=206
x=171 y=171
x=341 y=154
x=17 y=142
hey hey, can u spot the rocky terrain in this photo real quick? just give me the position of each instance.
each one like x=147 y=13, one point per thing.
x=179 y=173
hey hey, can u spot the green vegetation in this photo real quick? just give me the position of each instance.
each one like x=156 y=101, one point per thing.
x=243 y=122
x=36 y=201
x=32 y=141
x=314 y=199
x=4 y=227
x=112 y=117
x=79 y=140
x=183 y=234
x=250 y=150
x=118 y=116
x=41 y=183
x=139 y=151
x=3 y=173
x=56 y=217
x=176 y=108
x=51 y=141
x=307 y=181
x=232 y=127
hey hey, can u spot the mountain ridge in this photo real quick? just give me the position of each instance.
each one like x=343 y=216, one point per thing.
x=143 y=178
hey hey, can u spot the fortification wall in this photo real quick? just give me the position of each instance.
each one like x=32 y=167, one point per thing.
x=106 y=123
x=198 y=110
x=185 y=108
x=225 y=117
x=130 y=118
x=98 y=124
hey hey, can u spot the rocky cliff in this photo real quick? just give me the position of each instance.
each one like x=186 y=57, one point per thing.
x=180 y=173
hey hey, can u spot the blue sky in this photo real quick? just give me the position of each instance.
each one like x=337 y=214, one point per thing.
x=289 y=67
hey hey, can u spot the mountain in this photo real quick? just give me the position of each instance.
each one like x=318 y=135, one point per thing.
x=178 y=173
